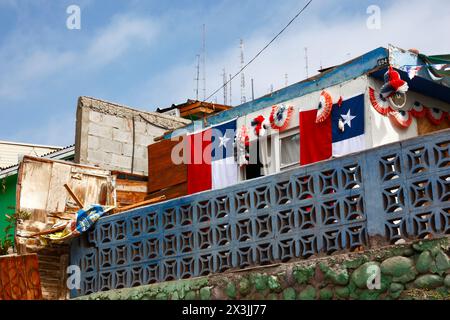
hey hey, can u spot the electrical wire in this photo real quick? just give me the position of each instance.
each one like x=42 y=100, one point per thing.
x=262 y=50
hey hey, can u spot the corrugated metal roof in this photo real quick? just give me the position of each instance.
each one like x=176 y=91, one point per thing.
x=10 y=152
x=60 y=154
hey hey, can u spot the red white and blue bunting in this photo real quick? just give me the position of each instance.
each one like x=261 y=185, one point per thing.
x=403 y=118
x=280 y=117
x=325 y=106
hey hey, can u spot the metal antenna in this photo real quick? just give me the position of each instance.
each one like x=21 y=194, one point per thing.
x=243 y=99
x=198 y=77
x=306 y=63
x=285 y=79
x=253 y=91
x=231 y=96
x=204 y=60
x=225 y=88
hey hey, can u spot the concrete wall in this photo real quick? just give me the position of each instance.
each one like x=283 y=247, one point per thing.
x=104 y=135
x=417 y=271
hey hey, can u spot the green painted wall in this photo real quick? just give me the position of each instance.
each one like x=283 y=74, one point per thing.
x=7 y=200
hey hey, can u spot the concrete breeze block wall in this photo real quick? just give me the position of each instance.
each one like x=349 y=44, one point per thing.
x=104 y=135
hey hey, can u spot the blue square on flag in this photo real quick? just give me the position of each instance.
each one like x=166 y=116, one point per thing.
x=223 y=140
x=351 y=116
x=223 y=163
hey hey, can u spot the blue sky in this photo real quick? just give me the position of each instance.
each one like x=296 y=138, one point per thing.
x=142 y=53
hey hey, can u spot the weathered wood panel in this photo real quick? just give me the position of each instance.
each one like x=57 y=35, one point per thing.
x=162 y=172
x=19 y=278
x=173 y=192
x=41 y=193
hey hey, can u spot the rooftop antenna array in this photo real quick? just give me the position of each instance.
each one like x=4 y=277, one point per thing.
x=243 y=99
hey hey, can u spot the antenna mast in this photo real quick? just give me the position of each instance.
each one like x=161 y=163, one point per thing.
x=306 y=62
x=243 y=99
x=198 y=76
x=286 y=80
x=225 y=87
x=204 y=60
x=231 y=101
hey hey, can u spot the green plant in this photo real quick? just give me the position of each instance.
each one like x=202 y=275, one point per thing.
x=7 y=241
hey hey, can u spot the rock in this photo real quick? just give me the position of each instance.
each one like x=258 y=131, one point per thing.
x=407 y=277
x=190 y=295
x=336 y=275
x=424 y=261
x=326 y=294
x=289 y=294
x=447 y=281
x=274 y=284
x=355 y=263
x=361 y=275
x=442 y=261
x=272 y=296
x=205 y=293
x=260 y=282
x=309 y=293
x=369 y=295
x=396 y=287
x=342 y=292
x=428 y=281
x=174 y=296
x=161 y=296
x=303 y=274
x=397 y=266
x=244 y=286
x=230 y=290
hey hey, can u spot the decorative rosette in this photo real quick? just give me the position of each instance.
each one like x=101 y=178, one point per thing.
x=393 y=84
x=280 y=117
x=261 y=125
x=325 y=106
x=436 y=116
x=379 y=103
x=243 y=143
x=401 y=118
x=418 y=110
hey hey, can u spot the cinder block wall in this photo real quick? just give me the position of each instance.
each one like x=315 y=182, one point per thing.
x=104 y=135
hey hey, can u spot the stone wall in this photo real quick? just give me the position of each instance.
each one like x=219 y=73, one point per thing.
x=105 y=131
x=420 y=270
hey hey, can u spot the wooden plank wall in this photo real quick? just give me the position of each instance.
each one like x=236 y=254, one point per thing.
x=41 y=192
x=19 y=278
x=164 y=176
x=130 y=188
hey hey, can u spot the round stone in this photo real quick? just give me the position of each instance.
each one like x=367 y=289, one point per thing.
x=205 y=293
x=424 y=261
x=326 y=294
x=342 y=292
x=309 y=293
x=361 y=275
x=447 y=281
x=303 y=274
x=273 y=283
x=230 y=290
x=396 y=287
x=428 y=281
x=244 y=286
x=289 y=294
x=397 y=266
x=442 y=261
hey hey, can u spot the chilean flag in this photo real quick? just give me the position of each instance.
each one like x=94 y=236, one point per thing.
x=212 y=162
x=340 y=134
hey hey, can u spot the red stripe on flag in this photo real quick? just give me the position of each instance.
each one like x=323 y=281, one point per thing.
x=199 y=172
x=315 y=138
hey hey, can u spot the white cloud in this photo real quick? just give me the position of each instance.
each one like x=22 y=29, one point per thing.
x=27 y=63
x=124 y=32
x=405 y=23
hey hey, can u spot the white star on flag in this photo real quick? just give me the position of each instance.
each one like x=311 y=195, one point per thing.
x=348 y=118
x=223 y=141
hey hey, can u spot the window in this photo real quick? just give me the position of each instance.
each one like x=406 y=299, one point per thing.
x=289 y=149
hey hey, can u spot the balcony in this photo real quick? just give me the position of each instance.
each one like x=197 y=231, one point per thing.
x=397 y=192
